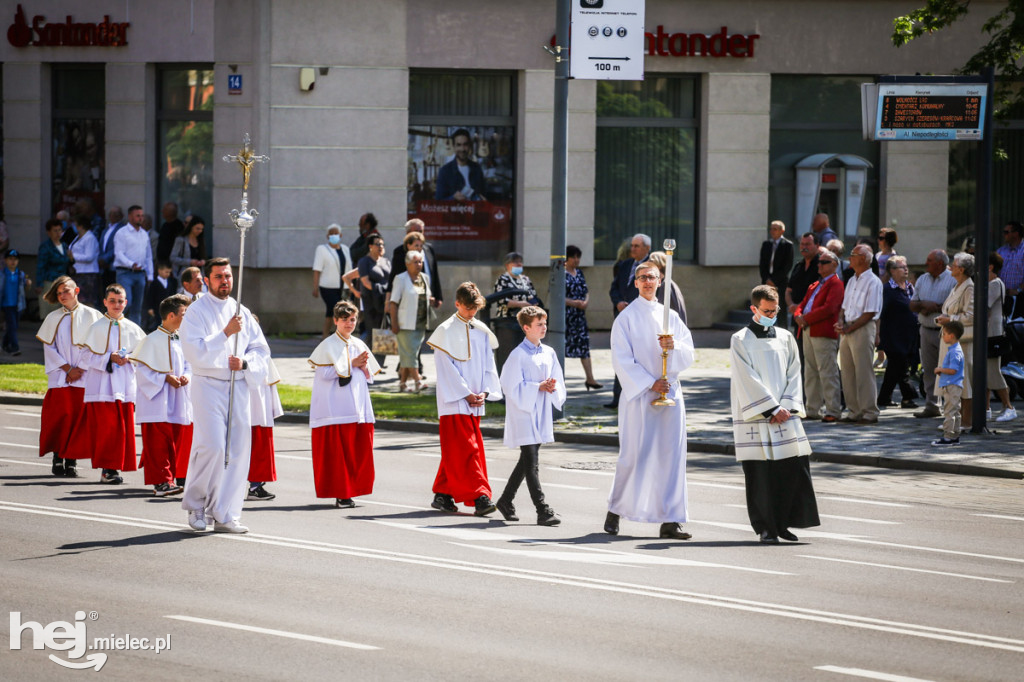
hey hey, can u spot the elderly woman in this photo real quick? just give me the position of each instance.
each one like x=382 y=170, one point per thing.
x=189 y=250
x=959 y=305
x=410 y=308
x=996 y=382
x=85 y=253
x=897 y=333
x=507 y=329
x=330 y=262
x=577 y=297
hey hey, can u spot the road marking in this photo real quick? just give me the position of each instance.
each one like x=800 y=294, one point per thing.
x=578 y=581
x=27 y=414
x=19 y=445
x=22 y=428
x=841 y=518
x=302 y=459
x=425 y=454
x=1000 y=516
x=549 y=485
x=592 y=472
x=715 y=485
x=869 y=674
x=905 y=568
x=21 y=461
x=276 y=633
x=392 y=504
x=856 y=501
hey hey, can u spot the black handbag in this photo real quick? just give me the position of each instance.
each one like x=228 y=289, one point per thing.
x=998 y=346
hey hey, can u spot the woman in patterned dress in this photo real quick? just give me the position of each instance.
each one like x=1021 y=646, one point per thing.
x=577 y=339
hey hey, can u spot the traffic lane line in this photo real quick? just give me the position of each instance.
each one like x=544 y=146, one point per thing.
x=1001 y=516
x=839 y=518
x=905 y=568
x=868 y=674
x=275 y=633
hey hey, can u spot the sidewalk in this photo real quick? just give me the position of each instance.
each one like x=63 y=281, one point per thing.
x=898 y=441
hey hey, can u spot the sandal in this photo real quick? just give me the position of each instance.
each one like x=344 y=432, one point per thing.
x=420 y=385
x=402 y=388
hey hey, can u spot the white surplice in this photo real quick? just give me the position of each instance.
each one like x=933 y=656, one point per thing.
x=264 y=401
x=333 y=404
x=765 y=377
x=209 y=485
x=650 y=477
x=63 y=332
x=528 y=418
x=104 y=337
x=156 y=402
x=464 y=361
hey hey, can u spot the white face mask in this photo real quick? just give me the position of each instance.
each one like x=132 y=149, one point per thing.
x=334 y=239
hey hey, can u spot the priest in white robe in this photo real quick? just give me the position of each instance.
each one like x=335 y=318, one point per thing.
x=62 y=333
x=650 y=477
x=207 y=337
x=767 y=412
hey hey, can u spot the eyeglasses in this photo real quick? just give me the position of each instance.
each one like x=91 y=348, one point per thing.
x=648 y=278
x=768 y=313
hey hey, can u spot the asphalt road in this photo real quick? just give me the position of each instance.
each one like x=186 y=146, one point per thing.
x=911 y=576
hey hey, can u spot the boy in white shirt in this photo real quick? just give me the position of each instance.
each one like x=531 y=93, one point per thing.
x=532 y=382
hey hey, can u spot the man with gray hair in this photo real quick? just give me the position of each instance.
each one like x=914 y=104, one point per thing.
x=857 y=327
x=931 y=290
x=623 y=292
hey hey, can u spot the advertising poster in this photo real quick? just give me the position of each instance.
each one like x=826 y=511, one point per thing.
x=460 y=185
x=78 y=169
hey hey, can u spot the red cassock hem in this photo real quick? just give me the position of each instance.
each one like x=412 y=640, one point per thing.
x=343 y=460
x=107 y=434
x=463 y=469
x=60 y=419
x=261 y=462
x=162 y=447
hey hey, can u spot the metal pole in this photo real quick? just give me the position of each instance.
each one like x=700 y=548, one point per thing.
x=238 y=311
x=982 y=244
x=559 y=181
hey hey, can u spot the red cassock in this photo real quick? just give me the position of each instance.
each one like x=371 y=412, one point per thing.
x=463 y=469
x=60 y=420
x=165 y=450
x=343 y=460
x=261 y=462
x=107 y=434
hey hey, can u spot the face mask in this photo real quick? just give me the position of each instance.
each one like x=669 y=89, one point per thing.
x=334 y=239
x=517 y=270
x=766 y=322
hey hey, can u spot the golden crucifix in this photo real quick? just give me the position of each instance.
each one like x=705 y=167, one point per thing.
x=246 y=158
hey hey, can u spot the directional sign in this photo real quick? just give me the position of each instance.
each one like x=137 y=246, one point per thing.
x=607 y=40
x=929 y=111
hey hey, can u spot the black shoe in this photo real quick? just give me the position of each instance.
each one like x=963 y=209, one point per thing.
x=546 y=516
x=111 y=477
x=768 y=539
x=611 y=523
x=507 y=509
x=787 y=536
x=484 y=506
x=71 y=468
x=673 y=531
x=612 y=406
x=882 y=404
x=344 y=503
x=907 y=404
x=260 y=493
x=57 y=468
x=445 y=503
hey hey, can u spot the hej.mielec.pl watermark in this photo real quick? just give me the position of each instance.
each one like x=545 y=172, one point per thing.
x=71 y=637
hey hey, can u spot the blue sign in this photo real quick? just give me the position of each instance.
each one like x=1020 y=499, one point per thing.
x=235 y=84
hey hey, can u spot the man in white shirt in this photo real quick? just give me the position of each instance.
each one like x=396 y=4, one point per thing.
x=133 y=262
x=857 y=327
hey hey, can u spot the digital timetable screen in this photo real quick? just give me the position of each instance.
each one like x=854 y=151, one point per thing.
x=930 y=112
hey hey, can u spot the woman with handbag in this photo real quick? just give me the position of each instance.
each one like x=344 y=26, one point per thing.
x=959 y=305
x=410 y=309
x=996 y=341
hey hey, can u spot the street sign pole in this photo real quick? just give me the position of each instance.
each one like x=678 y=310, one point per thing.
x=559 y=186
x=982 y=244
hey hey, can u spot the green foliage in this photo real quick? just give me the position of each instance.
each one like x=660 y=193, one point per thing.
x=386 y=405
x=26 y=378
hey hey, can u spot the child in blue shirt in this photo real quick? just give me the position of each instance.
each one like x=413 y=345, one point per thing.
x=951 y=384
x=12 y=299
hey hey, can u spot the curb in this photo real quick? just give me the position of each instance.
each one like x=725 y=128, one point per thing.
x=608 y=440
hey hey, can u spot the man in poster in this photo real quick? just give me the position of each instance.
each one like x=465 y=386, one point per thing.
x=461 y=179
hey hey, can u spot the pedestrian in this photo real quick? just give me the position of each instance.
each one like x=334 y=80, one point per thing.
x=931 y=289
x=623 y=291
x=533 y=386
x=887 y=239
x=12 y=299
x=330 y=262
x=217 y=470
x=959 y=306
x=133 y=261
x=163 y=403
x=771 y=445
x=996 y=380
x=815 y=320
x=411 y=311
x=951 y=380
x=857 y=327
x=108 y=427
x=577 y=298
x=52 y=263
x=189 y=248
x=163 y=285
x=1012 y=273
x=675 y=299
x=374 y=273
x=506 y=327
x=897 y=334
x=61 y=333
x=84 y=255
x=650 y=476
x=820 y=225
x=341 y=413
x=776 y=261
x=466 y=377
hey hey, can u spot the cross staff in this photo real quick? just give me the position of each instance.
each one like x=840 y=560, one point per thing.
x=243 y=220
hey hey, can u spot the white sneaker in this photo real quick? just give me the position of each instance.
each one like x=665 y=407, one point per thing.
x=1008 y=414
x=988 y=413
x=230 y=527
x=197 y=520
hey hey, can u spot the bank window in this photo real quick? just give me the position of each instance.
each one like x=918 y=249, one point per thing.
x=461 y=161
x=820 y=115
x=646 y=175
x=185 y=154
x=78 y=135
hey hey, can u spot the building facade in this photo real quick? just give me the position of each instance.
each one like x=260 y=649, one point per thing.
x=362 y=106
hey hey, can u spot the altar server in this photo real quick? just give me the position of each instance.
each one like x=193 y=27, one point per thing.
x=466 y=377
x=212 y=489
x=62 y=333
x=163 y=403
x=265 y=407
x=767 y=409
x=650 y=476
x=340 y=413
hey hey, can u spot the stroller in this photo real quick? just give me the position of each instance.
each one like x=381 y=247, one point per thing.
x=1013 y=361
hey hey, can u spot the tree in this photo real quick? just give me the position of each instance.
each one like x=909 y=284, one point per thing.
x=1003 y=51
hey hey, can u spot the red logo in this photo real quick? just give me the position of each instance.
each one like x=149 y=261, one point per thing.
x=106 y=33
